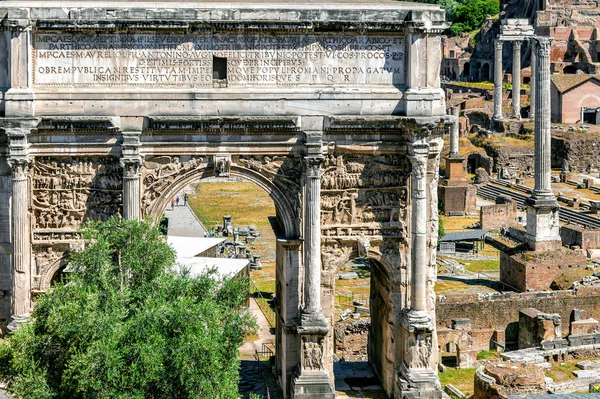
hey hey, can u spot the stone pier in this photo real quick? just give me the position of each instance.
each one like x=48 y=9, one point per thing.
x=313 y=380
x=542 y=212
x=516 y=80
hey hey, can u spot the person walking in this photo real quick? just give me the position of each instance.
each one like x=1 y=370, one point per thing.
x=177 y=201
x=172 y=204
x=185 y=198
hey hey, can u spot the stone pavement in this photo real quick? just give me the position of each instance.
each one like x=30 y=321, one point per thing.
x=353 y=378
x=182 y=221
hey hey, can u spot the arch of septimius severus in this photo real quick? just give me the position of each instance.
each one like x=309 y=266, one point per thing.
x=335 y=109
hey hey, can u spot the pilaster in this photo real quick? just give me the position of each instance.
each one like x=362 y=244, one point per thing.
x=516 y=80
x=498 y=80
x=19 y=98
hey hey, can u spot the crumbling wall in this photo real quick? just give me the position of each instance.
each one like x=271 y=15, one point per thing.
x=498 y=216
x=573 y=235
x=500 y=312
x=579 y=149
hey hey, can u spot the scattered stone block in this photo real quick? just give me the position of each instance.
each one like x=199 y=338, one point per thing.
x=454 y=391
x=589 y=365
x=347 y=276
x=585 y=373
x=361 y=309
x=583 y=327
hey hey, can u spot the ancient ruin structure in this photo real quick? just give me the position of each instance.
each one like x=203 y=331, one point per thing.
x=335 y=110
x=515 y=31
x=457 y=197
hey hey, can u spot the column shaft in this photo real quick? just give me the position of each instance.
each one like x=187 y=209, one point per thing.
x=516 y=80
x=131 y=188
x=498 y=79
x=419 y=228
x=542 y=120
x=312 y=237
x=454 y=133
x=21 y=239
x=532 y=82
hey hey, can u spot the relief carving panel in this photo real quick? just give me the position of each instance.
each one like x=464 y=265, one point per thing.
x=70 y=191
x=364 y=195
x=160 y=172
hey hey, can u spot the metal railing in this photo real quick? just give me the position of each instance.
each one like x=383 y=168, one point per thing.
x=266 y=310
x=349 y=299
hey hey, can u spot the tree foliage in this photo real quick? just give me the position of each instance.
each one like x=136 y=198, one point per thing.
x=470 y=14
x=125 y=324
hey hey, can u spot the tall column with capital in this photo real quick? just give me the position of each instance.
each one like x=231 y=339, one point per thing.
x=498 y=79
x=418 y=158
x=542 y=212
x=313 y=379
x=516 y=80
x=532 y=82
x=18 y=159
x=131 y=163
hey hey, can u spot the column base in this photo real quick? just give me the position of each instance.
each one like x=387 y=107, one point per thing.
x=312 y=385
x=313 y=324
x=15 y=322
x=413 y=384
x=543 y=228
x=416 y=321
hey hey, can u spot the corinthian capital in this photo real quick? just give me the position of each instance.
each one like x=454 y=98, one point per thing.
x=498 y=44
x=419 y=153
x=542 y=46
x=313 y=166
x=131 y=167
x=19 y=166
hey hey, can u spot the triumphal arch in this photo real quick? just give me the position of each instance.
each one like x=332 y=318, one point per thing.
x=334 y=108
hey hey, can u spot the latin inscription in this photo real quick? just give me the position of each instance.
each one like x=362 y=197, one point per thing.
x=187 y=60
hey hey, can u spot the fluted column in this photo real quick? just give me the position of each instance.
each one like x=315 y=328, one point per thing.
x=532 y=82
x=516 y=80
x=542 y=188
x=498 y=79
x=312 y=236
x=418 y=158
x=131 y=163
x=18 y=159
x=131 y=190
x=454 y=133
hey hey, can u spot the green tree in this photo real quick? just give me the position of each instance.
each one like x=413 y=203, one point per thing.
x=470 y=14
x=127 y=324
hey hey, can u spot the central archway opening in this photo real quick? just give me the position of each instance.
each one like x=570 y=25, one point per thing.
x=362 y=332
x=237 y=221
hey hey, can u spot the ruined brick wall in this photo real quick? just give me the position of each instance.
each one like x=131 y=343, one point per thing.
x=501 y=311
x=537 y=272
x=580 y=150
x=584 y=238
x=498 y=216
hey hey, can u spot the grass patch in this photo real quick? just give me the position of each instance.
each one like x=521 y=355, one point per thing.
x=455 y=223
x=488 y=354
x=476 y=266
x=463 y=379
x=563 y=371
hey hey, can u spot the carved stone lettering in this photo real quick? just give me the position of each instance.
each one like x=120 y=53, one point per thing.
x=61 y=59
x=69 y=191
